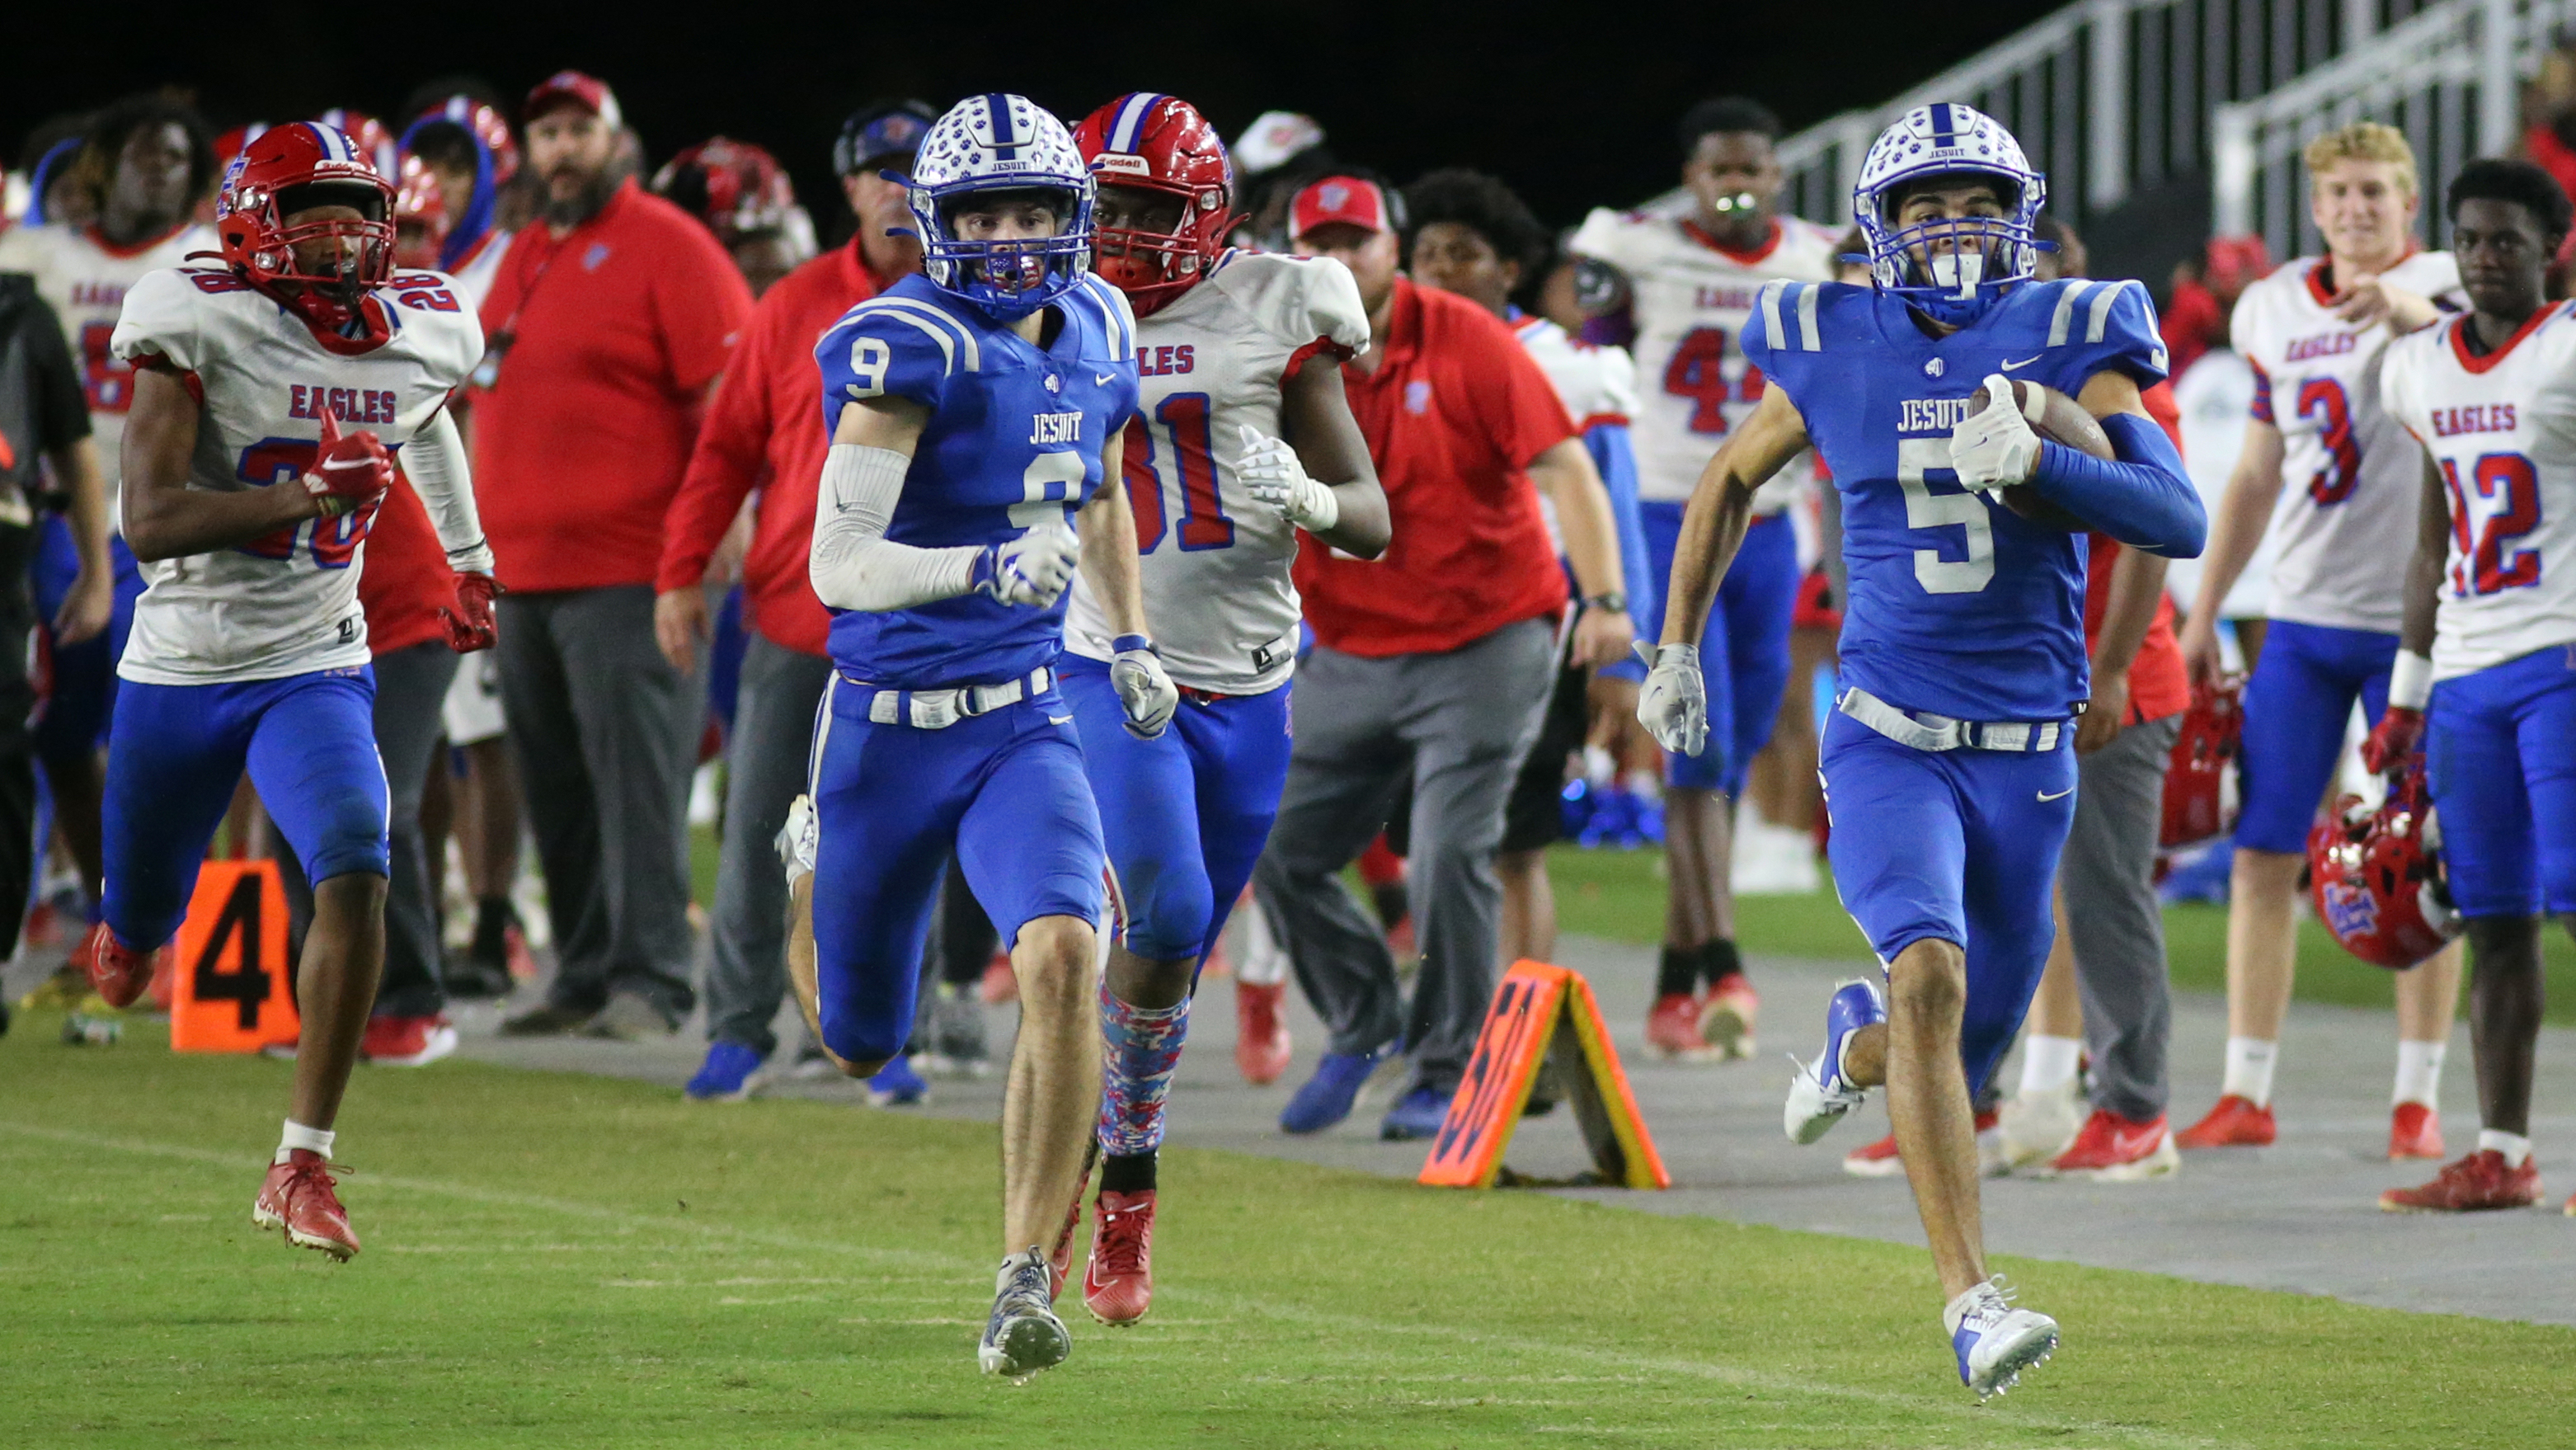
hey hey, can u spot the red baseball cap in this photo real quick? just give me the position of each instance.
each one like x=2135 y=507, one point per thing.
x=1342 y=200
x=586 y=91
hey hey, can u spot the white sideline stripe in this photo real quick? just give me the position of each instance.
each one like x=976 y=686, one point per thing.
x=1615 y=1361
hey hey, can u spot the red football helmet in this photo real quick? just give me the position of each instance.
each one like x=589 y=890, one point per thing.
x=486 y=123
x=736 y=188
x=2198 y=803
x=421 y=219
x=373 y=140
x=1160 y=144
x=284 y=170
x=233 y=142
x=2376 y=876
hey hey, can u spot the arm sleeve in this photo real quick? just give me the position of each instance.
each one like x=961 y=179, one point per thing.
x=62 y=406
x=703 y=304
x=854 y=565
x=724 y=467
x=2144 y=499
x=1617 y=461
x=434 y=461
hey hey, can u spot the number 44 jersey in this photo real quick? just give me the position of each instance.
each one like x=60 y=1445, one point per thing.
x=1215 y=562
x=287 y=603
x=1958 y=606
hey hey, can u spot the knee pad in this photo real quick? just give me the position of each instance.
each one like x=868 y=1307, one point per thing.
x=1168 y=906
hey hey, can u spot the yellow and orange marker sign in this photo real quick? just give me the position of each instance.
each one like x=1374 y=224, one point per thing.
x=234 y=993
x=1539 y=1009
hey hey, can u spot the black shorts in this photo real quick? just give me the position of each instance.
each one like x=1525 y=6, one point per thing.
x=1535 y=815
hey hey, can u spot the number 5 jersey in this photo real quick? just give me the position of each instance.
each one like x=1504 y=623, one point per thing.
x=286 y=603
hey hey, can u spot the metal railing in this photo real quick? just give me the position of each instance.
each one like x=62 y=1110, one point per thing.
x=2450 y=78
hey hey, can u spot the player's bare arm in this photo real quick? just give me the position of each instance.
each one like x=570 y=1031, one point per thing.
x=1722 y=505
x=2137 y=584
x=2424 y=569
x=1315 y=415
x=2244 y=512
x=1566 y=475
x=92 y=599
x=166 y=519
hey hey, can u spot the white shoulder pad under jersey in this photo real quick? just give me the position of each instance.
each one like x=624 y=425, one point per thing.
x=1597 y=384
x=2345 y=523
x=1690 y=299
x=2501 y=427
x=1215 y=562
x=286 y=604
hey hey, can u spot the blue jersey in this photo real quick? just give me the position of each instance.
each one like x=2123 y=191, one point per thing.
x=1957 y=605
x=1013 y=442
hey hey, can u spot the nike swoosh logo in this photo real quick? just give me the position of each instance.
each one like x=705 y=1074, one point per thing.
x=2061 y=795
x=2025 y=362
x=1059 y=719
x=1104 y=379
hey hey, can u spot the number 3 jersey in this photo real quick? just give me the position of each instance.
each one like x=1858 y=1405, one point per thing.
x=2345 y=520
x=1958 y=606
x=1692 y=300
x=285 y=604
x=1012 y=442
x=1215 y=562
x=2501 y=429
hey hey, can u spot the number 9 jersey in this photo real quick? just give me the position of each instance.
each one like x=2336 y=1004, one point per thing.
x=287 y=603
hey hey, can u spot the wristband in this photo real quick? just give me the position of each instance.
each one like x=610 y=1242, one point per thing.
x=1129 y=643
x=2410 y=681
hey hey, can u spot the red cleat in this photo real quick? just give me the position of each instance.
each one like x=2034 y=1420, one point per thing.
x=1261 y=1043
x=407 y=1041
x=2414 y=1131
x=2112 y=1149
x=2234 y=1123
x=1727 y=1016
x=2475 y=1183
x=1672 y=1030
x=1881 y=1160
x=300 y=1198
x=117 y=972
x=1118 y=1283
x=522 y=963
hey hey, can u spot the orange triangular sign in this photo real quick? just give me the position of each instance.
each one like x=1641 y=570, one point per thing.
x=232 y=992
x=1539 y=1011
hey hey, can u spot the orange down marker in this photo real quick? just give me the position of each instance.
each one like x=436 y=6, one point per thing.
x=1539 y=1008
x=233 y=992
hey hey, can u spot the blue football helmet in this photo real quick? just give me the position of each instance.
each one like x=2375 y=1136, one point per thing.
x=1932 y=264
x=1000 y=142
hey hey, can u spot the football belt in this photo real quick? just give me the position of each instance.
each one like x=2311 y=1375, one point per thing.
x=939 y=709
x=1940 y=732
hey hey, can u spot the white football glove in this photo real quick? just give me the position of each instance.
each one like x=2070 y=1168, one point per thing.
x=1273 y=475
x=1673 y=705
x=1035 y=567
x=1146 y=695
x=1995 y=448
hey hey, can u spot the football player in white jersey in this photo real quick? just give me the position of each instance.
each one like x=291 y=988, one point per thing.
x=270 y=394
x=2485 y=682
x=1242 y=438
x=2316 y=331
x=152 y=161
x=1469 y=234
x=1691 y=282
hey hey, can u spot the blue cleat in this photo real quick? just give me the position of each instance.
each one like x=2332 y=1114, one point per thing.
x=730 y=1074
x=2202 y=878
x=1327 y=1097
x=1820 y=1094
x=1418 y=1114
x=896 y=1085
x=1996 y=1342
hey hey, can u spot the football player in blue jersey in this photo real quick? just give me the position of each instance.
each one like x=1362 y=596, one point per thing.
x=975 y=412
x=1949 y=764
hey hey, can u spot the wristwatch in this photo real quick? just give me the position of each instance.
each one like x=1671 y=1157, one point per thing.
x=1613 y=602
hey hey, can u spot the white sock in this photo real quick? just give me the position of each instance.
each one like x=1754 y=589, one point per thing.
x=2048 y=1063
x=2249 y=1069
x=2419 y=1073
x=2515 y=1147
x=311 y=1140
x=1645 y=785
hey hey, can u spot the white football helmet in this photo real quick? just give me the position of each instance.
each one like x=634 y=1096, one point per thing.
x=1951 y=269
x=1000 y=142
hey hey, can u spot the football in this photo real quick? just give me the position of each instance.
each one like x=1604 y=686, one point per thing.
x=2056 y=417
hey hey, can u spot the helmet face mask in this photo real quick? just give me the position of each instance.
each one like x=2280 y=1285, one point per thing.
x=1177 y=200
x=265 y=218
x=1000 y=143
x=1951 y=264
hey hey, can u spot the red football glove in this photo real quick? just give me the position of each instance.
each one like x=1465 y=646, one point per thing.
x=470 y=625
x=348 y=469
x=2399 y=734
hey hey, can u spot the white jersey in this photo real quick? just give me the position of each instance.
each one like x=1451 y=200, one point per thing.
x=1596 y=384
x=2502 y=429
x=473 y=276
x=1691 y=301
x=286 y=604
x=84 y=278
x=1215 y=562
x=2345 y=522
x=2214 y=396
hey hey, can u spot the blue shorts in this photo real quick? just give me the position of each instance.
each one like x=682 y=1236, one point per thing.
x=2501 y=748
x=1745 y=651
x=1958 y=846
x=177 y=751
x=76 y=711
x=1185 y=814
x=2297 y=708
x=1003 y=792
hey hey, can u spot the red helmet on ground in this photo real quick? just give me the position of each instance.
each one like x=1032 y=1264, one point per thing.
x=2198 y=802
x=2376 y=875
x=1161 y=144
x=285 y=170
x=736 y=188
x=421 y=218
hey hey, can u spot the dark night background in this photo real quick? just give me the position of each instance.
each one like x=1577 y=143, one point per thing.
x=1573 y=105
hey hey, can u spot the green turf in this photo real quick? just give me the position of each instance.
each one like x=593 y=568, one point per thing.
x=1620 y=895
x=564 y=1261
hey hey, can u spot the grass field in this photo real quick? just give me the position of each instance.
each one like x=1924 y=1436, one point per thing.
x=565 y=1261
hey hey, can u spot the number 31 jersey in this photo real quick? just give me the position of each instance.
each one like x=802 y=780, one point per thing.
x=285 y=604
x=1692 y=300
x=1215 y=561
x=2345 y=520
x=2501 y=429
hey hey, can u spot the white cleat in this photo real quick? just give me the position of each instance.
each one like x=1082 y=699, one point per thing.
x=1023 y=1337
x=1819 y=1094
x=1996 y=1342
x=2037 y=1126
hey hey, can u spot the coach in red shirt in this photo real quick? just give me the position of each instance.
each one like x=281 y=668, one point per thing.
x=607 y=324
x=764 y=434
x=1434 y=661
